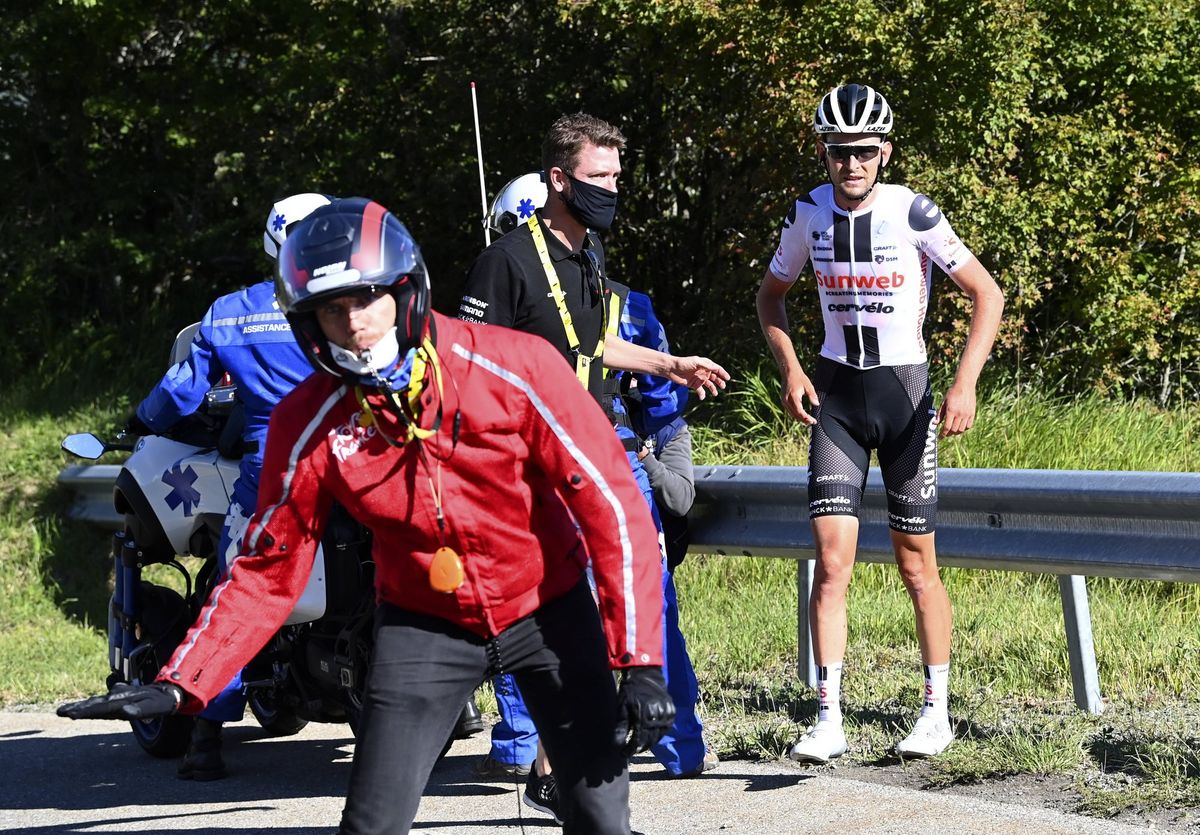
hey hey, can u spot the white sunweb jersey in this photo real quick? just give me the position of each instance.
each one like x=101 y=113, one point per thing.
x=873 y=268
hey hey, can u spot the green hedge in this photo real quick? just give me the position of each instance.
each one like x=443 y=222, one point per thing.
x=144 y=142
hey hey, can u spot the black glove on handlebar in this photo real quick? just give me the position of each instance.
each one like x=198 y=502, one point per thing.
x=125 y=701
x=135 y=426
x=644 y=710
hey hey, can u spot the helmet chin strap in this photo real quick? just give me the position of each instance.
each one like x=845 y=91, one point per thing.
x=369 y=361
x=867 y=193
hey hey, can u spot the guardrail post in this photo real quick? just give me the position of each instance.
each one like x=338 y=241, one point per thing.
x=1077 y=617
x=806 y=663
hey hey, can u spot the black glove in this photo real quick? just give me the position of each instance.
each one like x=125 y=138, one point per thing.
x=135 y=426
x=125 y=701
x=644 y=710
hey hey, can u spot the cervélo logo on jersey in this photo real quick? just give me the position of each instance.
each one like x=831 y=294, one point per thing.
x=862 y=282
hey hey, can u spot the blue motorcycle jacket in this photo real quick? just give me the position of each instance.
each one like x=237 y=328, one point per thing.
x=243 y=333
x=661 y=401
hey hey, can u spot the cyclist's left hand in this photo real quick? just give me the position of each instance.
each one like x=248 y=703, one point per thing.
x=957 y=412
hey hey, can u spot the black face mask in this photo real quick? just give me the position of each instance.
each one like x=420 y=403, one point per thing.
x=593 y=206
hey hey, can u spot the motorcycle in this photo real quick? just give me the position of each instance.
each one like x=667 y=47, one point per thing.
x=174 y=490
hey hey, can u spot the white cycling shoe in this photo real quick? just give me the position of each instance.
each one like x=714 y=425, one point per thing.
x=930 y=736
x=824 y=741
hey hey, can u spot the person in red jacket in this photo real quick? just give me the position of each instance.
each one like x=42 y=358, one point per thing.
x=486 y=503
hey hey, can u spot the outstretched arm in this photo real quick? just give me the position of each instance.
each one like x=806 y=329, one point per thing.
x=772 y=318
x=957 y=412
x=700 y=374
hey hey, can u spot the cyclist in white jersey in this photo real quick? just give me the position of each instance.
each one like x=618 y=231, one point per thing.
x=872 y=247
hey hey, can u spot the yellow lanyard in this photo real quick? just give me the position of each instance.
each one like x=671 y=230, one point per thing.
x=614 y=324
x=426 y=356
x=446 y=572
x=583 y=362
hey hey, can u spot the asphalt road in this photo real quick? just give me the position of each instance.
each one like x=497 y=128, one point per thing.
x=58 y=776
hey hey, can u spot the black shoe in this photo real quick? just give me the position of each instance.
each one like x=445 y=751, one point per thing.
x=541 y=793
x=490 y=768
x=470 y=721
x=203 y=758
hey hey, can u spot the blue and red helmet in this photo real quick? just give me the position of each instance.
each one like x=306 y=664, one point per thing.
x=352 y=244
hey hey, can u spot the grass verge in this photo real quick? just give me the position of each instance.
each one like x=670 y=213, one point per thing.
x=1011 y=681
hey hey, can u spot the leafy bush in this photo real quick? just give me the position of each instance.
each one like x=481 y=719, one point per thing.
x=1055 y=134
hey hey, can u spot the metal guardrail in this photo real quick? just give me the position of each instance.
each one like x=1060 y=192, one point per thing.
x=1116 y=524
x=93 y=488
x=1069 y=523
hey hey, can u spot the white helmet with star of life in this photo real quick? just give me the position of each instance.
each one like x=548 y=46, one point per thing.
x=286 y=212
x=517 y=202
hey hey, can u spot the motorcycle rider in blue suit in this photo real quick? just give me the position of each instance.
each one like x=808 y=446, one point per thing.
x=245 y=335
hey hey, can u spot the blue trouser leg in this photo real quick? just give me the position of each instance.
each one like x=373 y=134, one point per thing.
x=514 y=738
x=681 y=748
x=230 y=704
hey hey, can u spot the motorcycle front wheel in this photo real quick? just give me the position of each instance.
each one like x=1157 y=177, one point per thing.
x=166 y=737
x=164 y=617
x=276 y=719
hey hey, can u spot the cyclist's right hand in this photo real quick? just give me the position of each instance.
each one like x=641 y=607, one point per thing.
x=796 y=390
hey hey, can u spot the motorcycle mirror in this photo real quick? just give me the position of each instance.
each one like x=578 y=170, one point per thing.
x=84 y=445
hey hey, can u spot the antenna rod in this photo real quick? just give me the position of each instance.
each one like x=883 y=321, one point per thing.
x=487 y=233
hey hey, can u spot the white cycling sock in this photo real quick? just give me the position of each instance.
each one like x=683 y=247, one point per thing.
x=829 y=693
x=937 y=690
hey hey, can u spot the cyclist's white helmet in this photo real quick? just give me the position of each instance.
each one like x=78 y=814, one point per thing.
x=853 y=108
x=283 y=214
x=517 y=202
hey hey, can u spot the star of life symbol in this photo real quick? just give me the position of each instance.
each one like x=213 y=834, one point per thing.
x=525 y=209
x=278 y=222
x=182 y=492
x=349 y=438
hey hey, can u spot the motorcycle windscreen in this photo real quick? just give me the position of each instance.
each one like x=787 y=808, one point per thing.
x=311 y=604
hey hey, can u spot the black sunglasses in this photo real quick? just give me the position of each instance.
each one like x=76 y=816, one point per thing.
x=863 y=153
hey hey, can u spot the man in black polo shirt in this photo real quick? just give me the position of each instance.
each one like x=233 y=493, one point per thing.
x=547 y=277
x=562 y=296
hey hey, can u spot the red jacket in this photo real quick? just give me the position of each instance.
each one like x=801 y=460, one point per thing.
x=535 y=455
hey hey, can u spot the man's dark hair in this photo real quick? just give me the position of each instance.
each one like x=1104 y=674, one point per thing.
x=569 y=134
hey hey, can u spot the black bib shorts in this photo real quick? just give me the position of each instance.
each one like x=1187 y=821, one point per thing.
x=888 y=409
